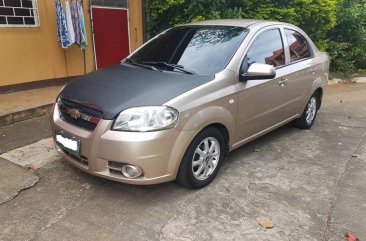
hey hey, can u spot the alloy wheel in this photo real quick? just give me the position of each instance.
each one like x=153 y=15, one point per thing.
x=205 y=158
x=311 y=110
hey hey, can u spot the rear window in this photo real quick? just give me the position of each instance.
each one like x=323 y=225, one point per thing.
x=299 y=46
x=202 y=49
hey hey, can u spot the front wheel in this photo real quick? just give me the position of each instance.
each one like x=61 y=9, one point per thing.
x=307 y=118
x=202 y=160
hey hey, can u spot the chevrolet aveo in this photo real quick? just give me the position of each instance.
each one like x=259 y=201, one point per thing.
x=174 y=107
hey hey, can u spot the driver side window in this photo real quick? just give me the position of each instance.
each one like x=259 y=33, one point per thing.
x=266 y=49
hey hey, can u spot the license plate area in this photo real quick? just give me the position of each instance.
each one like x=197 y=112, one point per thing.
x=68 y=143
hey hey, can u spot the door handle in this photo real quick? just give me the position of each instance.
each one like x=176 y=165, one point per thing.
x=314 y=70
x=282 y=82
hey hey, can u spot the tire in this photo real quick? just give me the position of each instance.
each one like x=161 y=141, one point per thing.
x=307 y=118
x=202 y=160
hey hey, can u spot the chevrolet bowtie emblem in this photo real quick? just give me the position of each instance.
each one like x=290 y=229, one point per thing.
x=74 y=113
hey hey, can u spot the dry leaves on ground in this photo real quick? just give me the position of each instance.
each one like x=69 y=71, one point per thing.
x=266 y=223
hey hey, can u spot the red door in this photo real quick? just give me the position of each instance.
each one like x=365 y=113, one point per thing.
x=111 y=41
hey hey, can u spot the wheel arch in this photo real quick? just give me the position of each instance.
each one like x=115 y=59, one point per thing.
x=225 y=132
x=221 y=117
x=319 y=92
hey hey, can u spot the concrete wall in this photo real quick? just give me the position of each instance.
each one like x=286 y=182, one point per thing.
x=33 y=54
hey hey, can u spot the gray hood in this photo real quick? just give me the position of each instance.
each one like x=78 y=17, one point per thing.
x=121 y=86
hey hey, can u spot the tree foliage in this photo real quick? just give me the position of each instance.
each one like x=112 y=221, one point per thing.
x=316 y=17
x=331 y=24
x=347 y=40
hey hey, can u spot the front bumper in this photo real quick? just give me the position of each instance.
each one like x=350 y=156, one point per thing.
x=157 y=153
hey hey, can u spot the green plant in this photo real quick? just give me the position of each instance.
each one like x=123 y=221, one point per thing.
x=315 y=17
x=347 y=48
x=336 y=26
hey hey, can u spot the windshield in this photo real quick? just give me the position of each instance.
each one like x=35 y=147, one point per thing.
x=199 y=49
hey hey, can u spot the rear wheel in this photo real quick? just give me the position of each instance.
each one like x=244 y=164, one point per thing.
x=202 y=160
x=307 y=118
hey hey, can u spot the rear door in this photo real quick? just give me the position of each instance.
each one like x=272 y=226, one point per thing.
x=303 y=71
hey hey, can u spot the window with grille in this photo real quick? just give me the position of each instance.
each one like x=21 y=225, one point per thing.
x=110 y=3
x=19 y=13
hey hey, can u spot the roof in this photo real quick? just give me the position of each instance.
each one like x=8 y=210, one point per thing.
x=236 y=22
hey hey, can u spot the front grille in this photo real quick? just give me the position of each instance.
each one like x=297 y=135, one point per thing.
x=78 y=114
x=83 y=160
x=115 y=167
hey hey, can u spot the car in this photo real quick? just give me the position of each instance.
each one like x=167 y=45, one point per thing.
x=177 y=105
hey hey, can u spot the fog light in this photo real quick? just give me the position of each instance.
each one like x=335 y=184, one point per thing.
x=131 y=171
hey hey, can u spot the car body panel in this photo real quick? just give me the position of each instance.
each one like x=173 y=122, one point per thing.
x=261 y=104
x=125 y=86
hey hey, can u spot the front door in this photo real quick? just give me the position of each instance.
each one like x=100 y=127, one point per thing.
x=111 y=38
x=260 y=102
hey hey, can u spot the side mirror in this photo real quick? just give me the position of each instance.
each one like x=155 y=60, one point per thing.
x=258 y=71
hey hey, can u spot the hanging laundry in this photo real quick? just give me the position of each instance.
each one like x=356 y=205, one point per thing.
x=75 y=21
x=70 y=26
x=62 y=30
x=84 y=40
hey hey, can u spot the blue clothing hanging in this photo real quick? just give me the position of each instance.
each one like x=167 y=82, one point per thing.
x=69 y=22
x=62 y=30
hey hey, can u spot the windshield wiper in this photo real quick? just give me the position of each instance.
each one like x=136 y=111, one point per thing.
x=174 y=66
x=133 y=62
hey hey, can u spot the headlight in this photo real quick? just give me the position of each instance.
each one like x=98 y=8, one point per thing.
x=146 y=118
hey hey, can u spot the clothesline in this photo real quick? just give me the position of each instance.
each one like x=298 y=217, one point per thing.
x=71 y=24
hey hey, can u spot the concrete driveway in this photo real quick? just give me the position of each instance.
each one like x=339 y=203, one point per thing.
x=310 y=184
